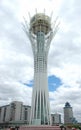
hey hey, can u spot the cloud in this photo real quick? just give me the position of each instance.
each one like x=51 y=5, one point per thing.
x=66 y=93
x=16 y=61
x=14 y=91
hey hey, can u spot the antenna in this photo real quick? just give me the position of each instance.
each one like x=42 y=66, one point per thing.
x=36 y=10
x=51 y=15
x=29 y=15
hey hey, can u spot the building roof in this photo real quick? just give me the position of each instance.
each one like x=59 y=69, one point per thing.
x=67 y=104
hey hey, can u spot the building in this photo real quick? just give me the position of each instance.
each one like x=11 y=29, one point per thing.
x=68 y=113
x=55 y=119
x=15 y=113
x=40 y=34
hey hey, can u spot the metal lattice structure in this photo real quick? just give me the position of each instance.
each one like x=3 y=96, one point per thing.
x=40 y=33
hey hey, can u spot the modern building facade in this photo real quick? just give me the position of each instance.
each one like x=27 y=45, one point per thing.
x=15 y=112
x=55 y=119
x=68 y=113
x=40 y=34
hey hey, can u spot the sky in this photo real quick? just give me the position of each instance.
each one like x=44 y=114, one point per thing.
x=64 y=59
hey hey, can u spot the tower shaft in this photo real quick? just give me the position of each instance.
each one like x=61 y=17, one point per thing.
x=40 y=104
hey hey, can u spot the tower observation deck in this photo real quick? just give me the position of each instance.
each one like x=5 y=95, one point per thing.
x=40 y=34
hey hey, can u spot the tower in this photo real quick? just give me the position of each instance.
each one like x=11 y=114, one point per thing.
x=40 y=33
x=68 y=113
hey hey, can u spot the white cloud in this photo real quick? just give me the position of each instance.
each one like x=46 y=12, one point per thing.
x=66 y=93
x=10 y=91
x=16 y=59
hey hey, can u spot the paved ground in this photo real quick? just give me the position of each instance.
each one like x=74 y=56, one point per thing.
x=40 y=128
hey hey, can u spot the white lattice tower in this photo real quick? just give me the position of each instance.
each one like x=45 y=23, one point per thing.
x=40 y=34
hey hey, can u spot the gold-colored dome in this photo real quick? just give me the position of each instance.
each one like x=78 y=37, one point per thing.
x=40 y=22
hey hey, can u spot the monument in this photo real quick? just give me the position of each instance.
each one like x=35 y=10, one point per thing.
x=40 y=33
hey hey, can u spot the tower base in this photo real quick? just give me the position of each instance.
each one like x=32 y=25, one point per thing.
x=36 y=122
x=42 y=127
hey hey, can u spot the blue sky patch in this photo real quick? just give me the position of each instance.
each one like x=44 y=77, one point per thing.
x=53 y=83
x=30 y=84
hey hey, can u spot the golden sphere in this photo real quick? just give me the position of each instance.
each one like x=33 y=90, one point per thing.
x=40 y=22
